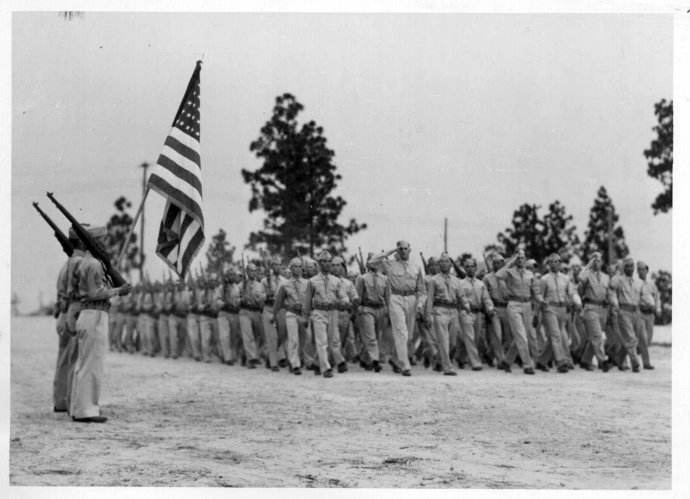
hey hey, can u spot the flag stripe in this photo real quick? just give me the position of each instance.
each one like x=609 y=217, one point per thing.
x=191 y=153
x=193 y=248
x=162 y=186
x=178 y=167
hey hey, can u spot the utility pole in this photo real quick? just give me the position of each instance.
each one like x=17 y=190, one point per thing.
x=144 y=166
x=445 y=235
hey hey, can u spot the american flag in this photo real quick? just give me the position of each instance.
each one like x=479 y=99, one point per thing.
x=177 y=177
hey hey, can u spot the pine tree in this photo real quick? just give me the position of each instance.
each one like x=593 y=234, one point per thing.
x=294 y=185
x=559 y=230
x=118 y=226
x=527 y=230
x=660 y=155
x=596 y=235
x=219 y=253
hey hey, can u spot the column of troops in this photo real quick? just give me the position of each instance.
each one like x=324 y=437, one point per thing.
x=313 y=315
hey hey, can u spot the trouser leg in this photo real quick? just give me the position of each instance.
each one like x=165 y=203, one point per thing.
x=496 y=335
x=193 y=336
x=92 y=337
x=517 y=317
x=628 y=335
x=223 y=323
x=292 y=342
x=441 y=323
x=271 y=336
x=467 y=328
x=248 y=340
x=399 y=311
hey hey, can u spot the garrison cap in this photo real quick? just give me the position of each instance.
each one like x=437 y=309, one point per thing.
x=97 y=231
x=337 y=260
x=251 y=266
x=433 y=259
x=402 y=244
x=640 y=263
x=444 y=256
x=325 y=256
x=72 y=234
x=308 y=262
x=297 y=261
x=275 y=260
x=498 y=257
x=628 y=260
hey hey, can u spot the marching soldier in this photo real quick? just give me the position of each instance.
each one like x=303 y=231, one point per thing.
x=130 y=320
x=207 y=315
x=177 y=318
x=626 y=300
x=445 y=299
x=556 y=294
x=499 y=330
x=146 y=317
x=323 y=294
x=521 y=288
x=271 y=283
x=290 y=298
x=194 y=318
x=347 y=308
x=227 y=299
x=371 y=287
x=407 y=295
x=428 y=336
x=650 y=305
x=472 y=322
x=161 y=307
x=306 y=339
x=251 y=324
x=593 y=287
x=68 y=306
x=92 y=332
x=115 y=324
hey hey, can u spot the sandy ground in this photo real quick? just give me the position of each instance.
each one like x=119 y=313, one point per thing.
x=185 y=423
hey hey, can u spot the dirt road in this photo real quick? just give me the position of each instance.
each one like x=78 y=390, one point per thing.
x=185 y=423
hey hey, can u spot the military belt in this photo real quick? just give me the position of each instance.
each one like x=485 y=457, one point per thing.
x=557 y=304
x=324 y=306
x=588 y=301
x=628 y=308
x=498 y=303
x=646 y=309
x=521 y=299
x=95 y=305
x=403 y=293
x=253 y=308
x=372 y=304
x=445 y=304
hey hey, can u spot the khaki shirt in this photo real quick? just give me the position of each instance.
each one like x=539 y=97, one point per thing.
x=496 y=288
x=650 y=295
x=445 y=289
x=627 y=290
x=371 y=288
x=323 y=289
x=476 y=294
x=292 y=295
x=519 y=283
x=93 y=284
x=594 y=286
x=556 y=287
x=253 y=293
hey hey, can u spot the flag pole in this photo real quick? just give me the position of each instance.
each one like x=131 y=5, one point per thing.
x=132 y=227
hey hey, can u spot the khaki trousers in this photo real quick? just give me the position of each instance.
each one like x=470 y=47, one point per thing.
x=174 y=323
x=555 y=324
x=471 y=325
x=520 y=320
x=326 y=337
x=270 y=336
x=293 y=324
x=164 y=334
x=498 y=331
x=648 y=325
x=229 y=336
x=64 y=368
x=372 y=326
x=251 y=327
x=193 y=336
x=206 y=324
x=92 y=335
x=403 y=315
x=594 y=319
x=446 y=324
x=628 y=327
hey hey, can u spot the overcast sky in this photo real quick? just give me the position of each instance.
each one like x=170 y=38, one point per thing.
x=430 y=116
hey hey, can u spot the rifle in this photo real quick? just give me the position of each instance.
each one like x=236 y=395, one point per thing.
x=244 y=268
x=426 y=266
x=360 y=261
x=59 y=235
x=458 y=270
x=91 y=245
